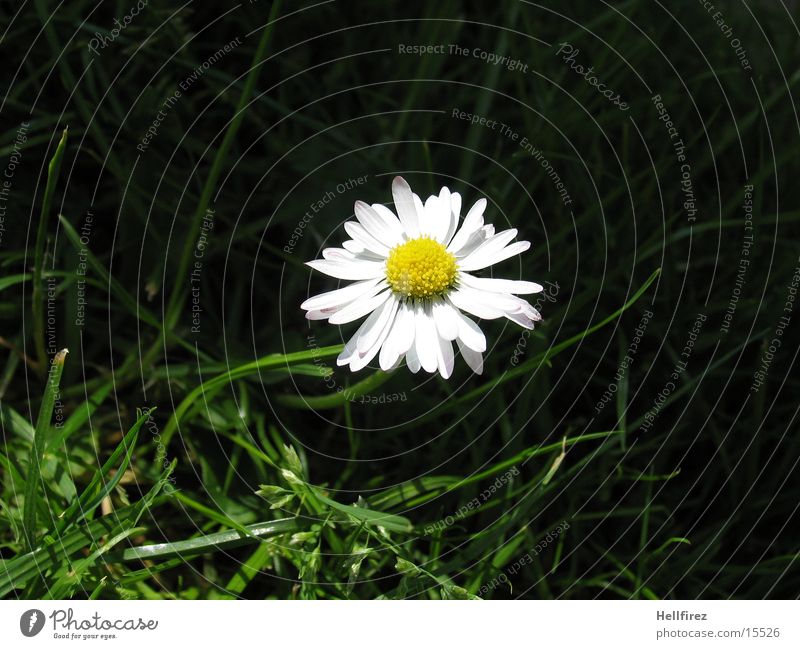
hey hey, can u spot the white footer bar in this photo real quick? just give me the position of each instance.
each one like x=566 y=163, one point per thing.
x=401 y=624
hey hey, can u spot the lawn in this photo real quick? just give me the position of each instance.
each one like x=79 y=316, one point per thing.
x=169 y=168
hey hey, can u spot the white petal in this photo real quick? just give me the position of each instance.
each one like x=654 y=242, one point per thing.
x=361 y=252
x=359 y=269
x=495 y=285
x=446 y=318
x=405 y=337
x=433 y=217
x=360 y=360
x=521 y=319
x=359 y=234
x=386 y=317
x=387 y=358
x=445 y=358
x=473 y=222
x=404 y=204
x=440 y=214
x=526 y=308
x=389 y=217
x=389 y=355
x=425 y=217
x=320 y=314
x=470 y=334
x=388 y=232
x=341 y=296
x=496 y=242
x=412 y=360
x=472 y=358
x=455 y=215
x=463 y=300
x=476 y=260
x=426 y=340
x=420 y=208
x=455 y=204
x=354 y=247
x=500 y=301
x=338 y=254
x=476 y=239
x=350 y=346
x=359 y=308
x=398 y=341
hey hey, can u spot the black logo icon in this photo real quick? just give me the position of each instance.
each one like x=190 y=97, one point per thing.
x=31 y=622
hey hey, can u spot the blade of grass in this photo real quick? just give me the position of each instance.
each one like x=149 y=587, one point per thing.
x=391 y=522
x=91 y=497
x=431 y=486
x=79 y=417
x=178 y=295
x=136 y=309
x=336 y=399
x=11 y=280
x=210 y=542
x=209 y=513
x=27 y=567
x=49 y=556
x=248 y=369
x=64 y=586
x=40 y=437
x=38 y=256
x=119 y=292
x=248 y=570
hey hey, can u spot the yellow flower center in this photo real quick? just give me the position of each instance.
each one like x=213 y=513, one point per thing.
x=420 y=268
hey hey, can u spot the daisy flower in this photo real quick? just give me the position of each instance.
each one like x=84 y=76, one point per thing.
x=412 y=278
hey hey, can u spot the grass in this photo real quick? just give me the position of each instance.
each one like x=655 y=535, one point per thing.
x=219 y=453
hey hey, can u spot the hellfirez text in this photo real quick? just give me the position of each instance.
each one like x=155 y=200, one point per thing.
x=679 y=615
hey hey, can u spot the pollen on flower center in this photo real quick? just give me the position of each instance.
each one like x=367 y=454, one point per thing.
x=420 y=268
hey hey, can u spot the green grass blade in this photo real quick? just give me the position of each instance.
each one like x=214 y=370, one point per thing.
x=41 y=435
x=68 y=581
x=210 y=542
x=12 y=280
x=431 y=486
x=113 y=286
x=178 y=296
x=38 y=259
x=248 y=570
x=390 y=522
x=119 y=292
x=24 y=568
x=248 y=369
x=94 y=494
x=79 y=417
x=336 y=399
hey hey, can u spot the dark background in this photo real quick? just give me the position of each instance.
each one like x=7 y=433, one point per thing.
x=702 y=503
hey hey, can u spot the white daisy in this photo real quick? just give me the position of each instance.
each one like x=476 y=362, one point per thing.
x=413 y=282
